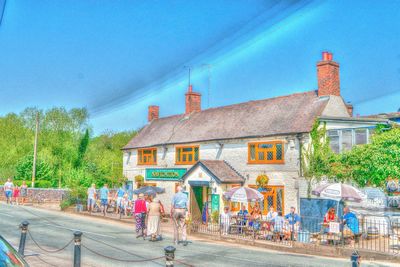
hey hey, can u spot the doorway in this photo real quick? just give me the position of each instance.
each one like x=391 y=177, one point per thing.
x=196 y=201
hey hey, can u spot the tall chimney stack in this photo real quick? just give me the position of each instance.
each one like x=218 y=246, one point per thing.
x=328 y=76
x=154 y=113
x=193 y=101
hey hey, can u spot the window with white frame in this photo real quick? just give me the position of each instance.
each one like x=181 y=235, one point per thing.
x=342 y=140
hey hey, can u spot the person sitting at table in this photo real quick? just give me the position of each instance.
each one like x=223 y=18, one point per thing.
x=350 y=222
x=329 y=217
x=255 y=217
x=279 y=227
x=243 y=215
x=270 y=218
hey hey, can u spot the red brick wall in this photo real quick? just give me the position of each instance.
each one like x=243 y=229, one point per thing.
x=193 y=101
x=154 y=113
x=328 y=76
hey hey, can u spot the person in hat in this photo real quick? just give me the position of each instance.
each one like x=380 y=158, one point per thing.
x=140 y=214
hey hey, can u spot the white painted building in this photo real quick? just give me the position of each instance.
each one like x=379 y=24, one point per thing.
x=212 y=150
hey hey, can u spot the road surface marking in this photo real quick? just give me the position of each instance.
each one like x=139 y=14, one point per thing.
x=5 y=214
x=71 y=229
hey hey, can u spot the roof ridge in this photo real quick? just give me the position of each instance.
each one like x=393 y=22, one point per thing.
x=260 y=100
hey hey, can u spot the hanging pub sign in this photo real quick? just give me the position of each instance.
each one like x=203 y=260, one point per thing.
x=173 y=174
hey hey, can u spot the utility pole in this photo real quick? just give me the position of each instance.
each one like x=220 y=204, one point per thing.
x=35 y=150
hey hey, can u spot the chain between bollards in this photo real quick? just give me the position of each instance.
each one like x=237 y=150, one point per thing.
x=169 y=256
x=77 y=248
x=24 y=230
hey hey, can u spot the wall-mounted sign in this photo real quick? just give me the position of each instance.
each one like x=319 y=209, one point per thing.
x=215 y=202
x=165 y=174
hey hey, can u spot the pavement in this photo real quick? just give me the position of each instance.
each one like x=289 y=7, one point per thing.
x=114 y=243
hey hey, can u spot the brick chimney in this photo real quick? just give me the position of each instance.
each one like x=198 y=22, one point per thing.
x=349 y=107
x=328 y=76
x=154 y=113
x=193 y=101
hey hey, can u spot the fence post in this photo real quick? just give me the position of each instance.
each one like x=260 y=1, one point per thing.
x=169 y=256
x=24 y=230
x=77 y=248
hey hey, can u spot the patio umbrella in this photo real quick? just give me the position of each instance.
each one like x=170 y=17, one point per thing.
x=243 y=195
x=338 y=191
x=149 y=190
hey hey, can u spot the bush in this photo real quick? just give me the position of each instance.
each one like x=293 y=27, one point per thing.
x=42 y=184
x=215 y=216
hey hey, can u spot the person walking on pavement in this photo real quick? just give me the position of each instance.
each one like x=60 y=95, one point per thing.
x=91 y=192
x=140 y=214
x=153 y=219
x=16 y=193
x=179 y=210
x=104 y=192
x=24 y=192
x=119 y=196
x=8 y=190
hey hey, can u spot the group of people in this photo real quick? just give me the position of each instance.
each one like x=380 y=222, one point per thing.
x=287 y=225
x=103 y=198
x=15 y=194
x=349 y=224
x=147 y=210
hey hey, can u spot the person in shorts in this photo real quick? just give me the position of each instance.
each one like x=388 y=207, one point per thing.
x=91 y=192
x=104 y=192
x=8 y=190
x=119 y=196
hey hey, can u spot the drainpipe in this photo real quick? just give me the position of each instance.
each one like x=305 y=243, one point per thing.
x=299 y=139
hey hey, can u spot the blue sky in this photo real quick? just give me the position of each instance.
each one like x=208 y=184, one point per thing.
x=118 y=57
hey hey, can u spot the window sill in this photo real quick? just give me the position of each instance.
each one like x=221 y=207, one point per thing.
x=185 y=163
x=266 y=163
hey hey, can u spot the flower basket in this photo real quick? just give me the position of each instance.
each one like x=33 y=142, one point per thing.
x=262 y=181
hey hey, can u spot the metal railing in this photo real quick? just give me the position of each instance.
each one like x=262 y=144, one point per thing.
x=378 y=235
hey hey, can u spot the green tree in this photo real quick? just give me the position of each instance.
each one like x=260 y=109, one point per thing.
x=83 y=145
x=24 y=170
x=373 y=163
x=316 y=156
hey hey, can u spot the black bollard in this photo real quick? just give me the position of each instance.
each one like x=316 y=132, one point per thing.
x=24 y=230
x=169 y=256
x=77 y=248
x=355 y=259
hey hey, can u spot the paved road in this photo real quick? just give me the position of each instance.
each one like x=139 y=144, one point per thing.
x=54 y=229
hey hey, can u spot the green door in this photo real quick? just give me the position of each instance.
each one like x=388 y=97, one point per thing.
x=198 y=194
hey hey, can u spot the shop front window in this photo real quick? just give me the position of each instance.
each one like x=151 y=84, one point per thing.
x=266 y=153
x=187 y=155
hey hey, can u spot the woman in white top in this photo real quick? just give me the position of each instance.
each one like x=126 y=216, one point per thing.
x=225 y=221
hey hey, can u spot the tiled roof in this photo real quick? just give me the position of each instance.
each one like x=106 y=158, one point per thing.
x=391 y=115
x=274 y=116
x=221 y=170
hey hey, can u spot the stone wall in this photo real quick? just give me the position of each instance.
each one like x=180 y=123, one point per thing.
x=42 y=194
